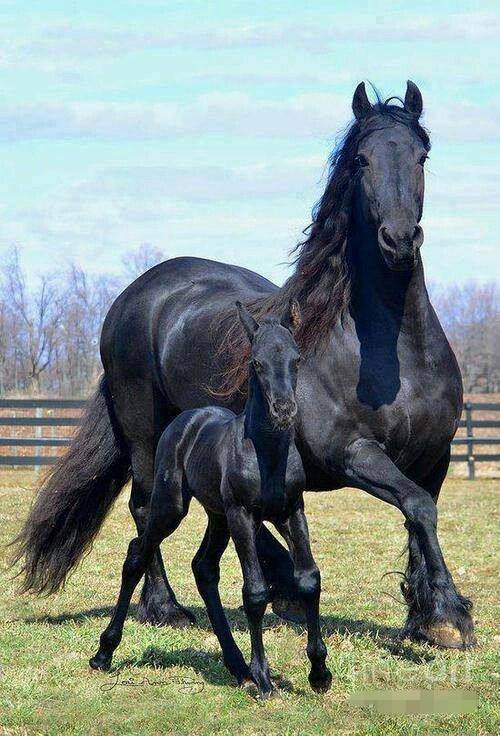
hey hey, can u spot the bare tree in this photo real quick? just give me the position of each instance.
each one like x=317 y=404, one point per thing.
x=470 y=314
x=49 y=335
x=137 y=261
x=39 y=313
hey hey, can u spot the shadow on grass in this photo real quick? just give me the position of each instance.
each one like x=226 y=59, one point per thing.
x=384 y=637
x=207 y=665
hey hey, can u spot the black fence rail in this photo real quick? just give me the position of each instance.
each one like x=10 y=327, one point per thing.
x=45 y=417
x=471 y=439
x=43 y=421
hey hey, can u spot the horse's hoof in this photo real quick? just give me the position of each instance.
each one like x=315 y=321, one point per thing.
x=442 y=634
x=288 y=610
x=321 y=684
x=447 y=636
x=166 y=615
x=100 y=663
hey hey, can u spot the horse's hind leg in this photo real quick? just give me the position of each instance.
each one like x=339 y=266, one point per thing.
x=158 y=603
x=207 y=573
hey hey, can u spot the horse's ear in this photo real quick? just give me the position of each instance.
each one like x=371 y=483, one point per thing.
x=250 y=325
x=361 y=105
x=291 y=319
x=413 y=99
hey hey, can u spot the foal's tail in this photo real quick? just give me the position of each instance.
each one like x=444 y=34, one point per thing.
x=73 y=500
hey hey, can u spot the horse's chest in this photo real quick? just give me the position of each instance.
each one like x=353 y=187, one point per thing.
x=422 y=419
x=411 y=408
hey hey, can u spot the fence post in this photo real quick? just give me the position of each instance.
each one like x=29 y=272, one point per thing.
x=38 y=433
x=470 y=445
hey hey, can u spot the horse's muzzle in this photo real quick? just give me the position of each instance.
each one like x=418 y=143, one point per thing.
x=400 y=247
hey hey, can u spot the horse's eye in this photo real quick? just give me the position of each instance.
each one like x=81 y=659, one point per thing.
x=257 y=365
x=361 y=161
x=423 y=159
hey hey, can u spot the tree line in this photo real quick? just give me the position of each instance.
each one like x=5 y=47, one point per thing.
x=49 y=331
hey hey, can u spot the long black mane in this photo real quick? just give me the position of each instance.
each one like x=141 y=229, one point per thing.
x=323 y=274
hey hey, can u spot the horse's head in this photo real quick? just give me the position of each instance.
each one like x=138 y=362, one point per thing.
x=390 y=162
x=274 y=360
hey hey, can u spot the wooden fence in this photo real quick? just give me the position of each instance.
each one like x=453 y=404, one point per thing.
x=45 y=418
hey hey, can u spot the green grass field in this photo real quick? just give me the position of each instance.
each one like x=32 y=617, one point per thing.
x=168 y=681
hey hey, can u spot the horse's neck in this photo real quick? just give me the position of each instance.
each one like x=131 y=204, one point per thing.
x=392 y=318
x=271 y=444
x=385 y=300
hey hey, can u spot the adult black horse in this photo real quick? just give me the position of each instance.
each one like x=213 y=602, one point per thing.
x=379 y=389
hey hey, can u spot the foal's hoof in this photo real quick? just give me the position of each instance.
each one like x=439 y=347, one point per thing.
x=321 y=684
x=288 y=610
x=100 y=662
x=447 y=636
x=166 y=615
x=256 y=692
x=250 y=687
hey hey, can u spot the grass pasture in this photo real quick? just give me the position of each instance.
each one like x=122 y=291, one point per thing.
x=168 y=681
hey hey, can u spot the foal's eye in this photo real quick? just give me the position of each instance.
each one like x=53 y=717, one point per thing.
x=423 y=159
x=361 y=161
x=257 y=365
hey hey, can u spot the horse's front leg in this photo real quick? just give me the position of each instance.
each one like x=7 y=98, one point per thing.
x=415 y=586
x=443 y=614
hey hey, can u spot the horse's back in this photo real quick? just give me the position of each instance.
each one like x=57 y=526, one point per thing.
x=181 y=280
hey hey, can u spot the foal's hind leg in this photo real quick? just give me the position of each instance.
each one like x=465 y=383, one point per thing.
x=158 y=603
x=207 y=573
x=140 y=554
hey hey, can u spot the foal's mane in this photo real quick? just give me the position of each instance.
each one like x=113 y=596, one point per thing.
x=323 y=274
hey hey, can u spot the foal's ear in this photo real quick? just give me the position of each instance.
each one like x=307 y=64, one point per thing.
x=413 y=99
x=361 y=105
x=249 y=323
x=292 y=317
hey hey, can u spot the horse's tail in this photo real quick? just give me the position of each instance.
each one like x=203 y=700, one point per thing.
x=73 y=500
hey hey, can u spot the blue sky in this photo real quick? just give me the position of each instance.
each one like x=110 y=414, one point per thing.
x=203 y=128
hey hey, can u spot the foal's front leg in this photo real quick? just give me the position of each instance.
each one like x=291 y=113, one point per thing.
x=256 y=593
x=308 y=584
x=206 y=570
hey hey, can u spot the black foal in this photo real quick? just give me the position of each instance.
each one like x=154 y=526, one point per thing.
x=243 y=469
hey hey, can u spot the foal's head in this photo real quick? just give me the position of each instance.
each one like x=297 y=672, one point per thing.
x=389 y=163
x=274 y=359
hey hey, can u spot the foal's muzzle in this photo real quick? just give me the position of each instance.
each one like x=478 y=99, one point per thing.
x=283 y=412
x=399 y=246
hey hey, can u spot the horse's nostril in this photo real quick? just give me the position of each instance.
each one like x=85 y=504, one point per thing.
x=418 y=236
x=387 y=238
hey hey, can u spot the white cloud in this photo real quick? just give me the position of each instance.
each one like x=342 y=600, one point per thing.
x=232 y=113
x=247 y=214
x=69 y=44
